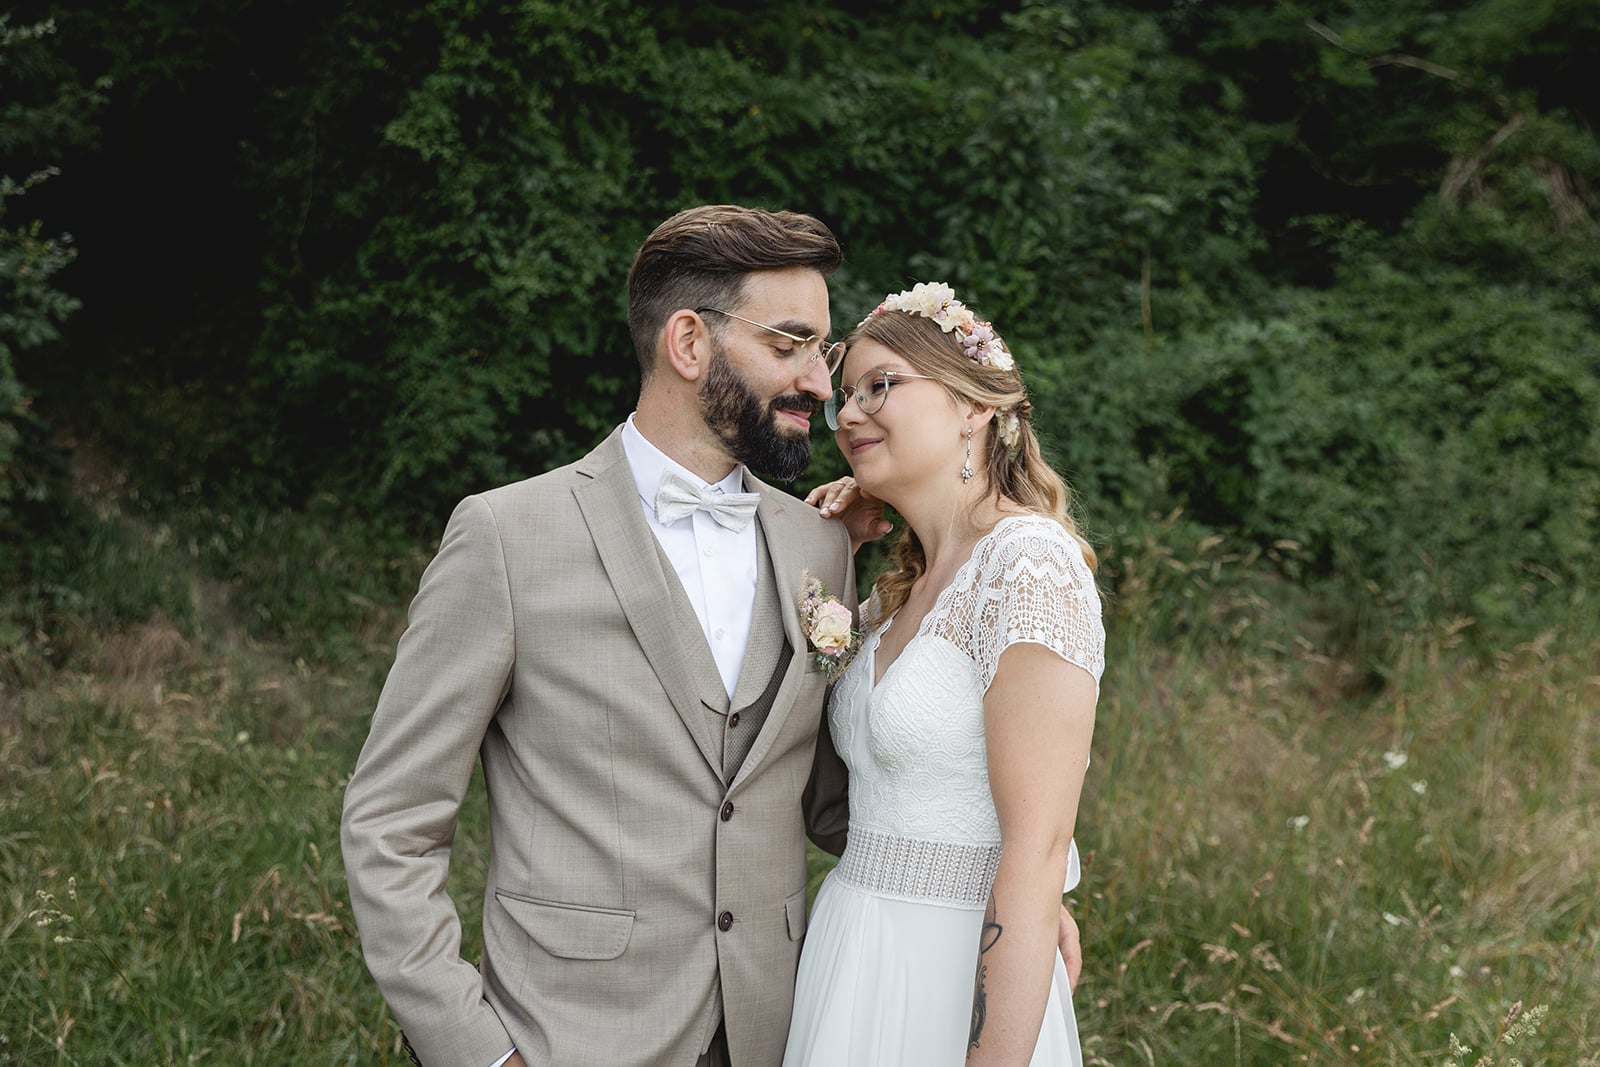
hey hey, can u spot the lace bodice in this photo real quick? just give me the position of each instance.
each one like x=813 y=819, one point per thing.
x=914 y=744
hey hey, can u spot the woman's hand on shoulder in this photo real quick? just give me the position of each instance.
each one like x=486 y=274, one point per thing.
x=859 y=510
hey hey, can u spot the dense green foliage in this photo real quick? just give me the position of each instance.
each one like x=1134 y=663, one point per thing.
x=1323 y=280
x=45 y=111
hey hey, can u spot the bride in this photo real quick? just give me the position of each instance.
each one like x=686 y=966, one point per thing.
x=965 y=716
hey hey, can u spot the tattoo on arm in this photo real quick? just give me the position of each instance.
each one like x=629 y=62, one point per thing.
x=980 y=995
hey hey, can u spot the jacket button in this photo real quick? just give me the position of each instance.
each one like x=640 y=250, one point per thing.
x=725 y=921
x=727 y=811
x=733 y=721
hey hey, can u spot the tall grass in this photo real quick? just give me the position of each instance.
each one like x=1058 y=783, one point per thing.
x=1287 y=865
x=1291 y=856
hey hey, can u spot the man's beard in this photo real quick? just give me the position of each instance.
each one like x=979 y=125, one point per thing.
x=750 y=432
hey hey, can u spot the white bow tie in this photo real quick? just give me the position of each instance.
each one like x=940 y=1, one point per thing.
x=678 y=497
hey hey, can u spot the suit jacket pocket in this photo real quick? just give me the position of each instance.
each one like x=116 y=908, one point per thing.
x=794 y=910
x=571 y=931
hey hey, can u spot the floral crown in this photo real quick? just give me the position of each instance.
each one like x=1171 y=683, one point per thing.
x=937 y=301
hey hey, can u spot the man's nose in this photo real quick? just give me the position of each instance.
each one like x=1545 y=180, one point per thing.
x=815 y=380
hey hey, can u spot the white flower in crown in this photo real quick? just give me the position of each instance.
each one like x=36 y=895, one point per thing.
x=931 y=300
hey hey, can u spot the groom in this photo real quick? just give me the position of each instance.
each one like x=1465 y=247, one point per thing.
x=619 y=642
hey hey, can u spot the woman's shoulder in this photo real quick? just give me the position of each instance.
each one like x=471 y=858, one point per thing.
x=1032 y=537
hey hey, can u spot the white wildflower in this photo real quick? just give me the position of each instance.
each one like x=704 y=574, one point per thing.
x=927 y=299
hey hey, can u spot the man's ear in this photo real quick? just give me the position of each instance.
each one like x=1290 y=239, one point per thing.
x=686 y=345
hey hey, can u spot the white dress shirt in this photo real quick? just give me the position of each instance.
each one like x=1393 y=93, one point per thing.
x=716 y=566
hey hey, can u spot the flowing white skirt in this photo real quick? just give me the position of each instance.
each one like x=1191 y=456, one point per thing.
x=886 y=981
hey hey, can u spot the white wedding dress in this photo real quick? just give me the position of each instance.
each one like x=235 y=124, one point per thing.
x=886 y=973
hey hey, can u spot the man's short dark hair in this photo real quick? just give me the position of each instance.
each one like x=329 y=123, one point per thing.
x=700 y=257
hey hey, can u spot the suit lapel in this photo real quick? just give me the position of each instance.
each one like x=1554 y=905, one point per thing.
x=610 y=506
x=788 y=561
x=766 y=635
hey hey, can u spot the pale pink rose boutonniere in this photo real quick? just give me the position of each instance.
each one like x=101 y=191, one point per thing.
x=832 y=639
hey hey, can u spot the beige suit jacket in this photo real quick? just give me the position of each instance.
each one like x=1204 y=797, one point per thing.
x=633 y=895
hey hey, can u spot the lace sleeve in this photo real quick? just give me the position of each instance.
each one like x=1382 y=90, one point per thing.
x=1033 y=585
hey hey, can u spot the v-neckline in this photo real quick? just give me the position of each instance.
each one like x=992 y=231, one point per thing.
x=878 y=676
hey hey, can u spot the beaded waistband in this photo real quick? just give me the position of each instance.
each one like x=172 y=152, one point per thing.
x=939 y=871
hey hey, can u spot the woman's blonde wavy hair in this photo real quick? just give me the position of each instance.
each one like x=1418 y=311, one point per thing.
x=1019 y=475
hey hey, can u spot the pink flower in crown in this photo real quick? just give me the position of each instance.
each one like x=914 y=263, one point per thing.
x=975 y=340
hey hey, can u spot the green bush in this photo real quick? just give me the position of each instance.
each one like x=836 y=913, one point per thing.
x=44 y=110
x=1431 y=443
x=1316 y=278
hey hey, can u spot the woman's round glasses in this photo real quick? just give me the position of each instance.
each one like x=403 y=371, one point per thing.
x=830 y=352
x=871 y=390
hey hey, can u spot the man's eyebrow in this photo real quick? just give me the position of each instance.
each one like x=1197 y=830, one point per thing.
x=799 y=329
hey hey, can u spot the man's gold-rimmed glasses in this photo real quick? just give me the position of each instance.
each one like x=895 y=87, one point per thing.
x=831 y=353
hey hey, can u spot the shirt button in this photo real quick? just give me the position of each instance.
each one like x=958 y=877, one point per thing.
x=727 y=811
x=708 y=550
x=725 y=921
x=719 y=633
x=733 y=720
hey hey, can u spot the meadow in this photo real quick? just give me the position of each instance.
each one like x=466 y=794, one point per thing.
x=1290 y=857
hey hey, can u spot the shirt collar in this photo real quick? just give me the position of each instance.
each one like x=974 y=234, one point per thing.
x=648 y=463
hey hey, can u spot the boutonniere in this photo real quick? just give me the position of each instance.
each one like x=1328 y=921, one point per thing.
x=830 y=638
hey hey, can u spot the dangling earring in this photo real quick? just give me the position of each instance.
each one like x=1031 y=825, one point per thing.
x=966 y=471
